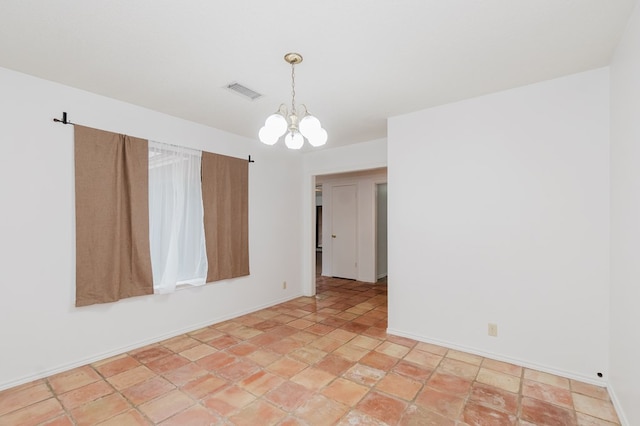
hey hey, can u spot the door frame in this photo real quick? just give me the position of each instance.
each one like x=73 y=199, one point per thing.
x=309 y=220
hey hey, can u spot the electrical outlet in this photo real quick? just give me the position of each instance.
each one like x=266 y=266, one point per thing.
x=493 y=330
x=284 y=285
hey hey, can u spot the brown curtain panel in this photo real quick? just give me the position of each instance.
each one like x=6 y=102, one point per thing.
x=112 y=217
x=225 y=196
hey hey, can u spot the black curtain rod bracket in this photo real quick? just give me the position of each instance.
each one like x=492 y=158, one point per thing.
x=64 y=119
x=250 y=160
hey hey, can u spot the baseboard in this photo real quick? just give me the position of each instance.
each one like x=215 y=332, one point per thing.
x=139 y=344
x=498 y=357
x=616 y=404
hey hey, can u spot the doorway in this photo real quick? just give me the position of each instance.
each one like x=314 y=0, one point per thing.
x=381 y=230
x=319 y=230
x=366 y=234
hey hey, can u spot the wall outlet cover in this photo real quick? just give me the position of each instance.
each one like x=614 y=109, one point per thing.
x=493 y=330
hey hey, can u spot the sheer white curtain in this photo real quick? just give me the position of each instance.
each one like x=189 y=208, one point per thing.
x=178 y=253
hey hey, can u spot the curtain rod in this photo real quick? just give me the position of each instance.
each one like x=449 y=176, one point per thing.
x=65 y=121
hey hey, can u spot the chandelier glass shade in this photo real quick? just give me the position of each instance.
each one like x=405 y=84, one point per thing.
x=298 y=124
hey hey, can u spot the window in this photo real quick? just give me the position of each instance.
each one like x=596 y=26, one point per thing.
x=176 y=227
x=142 y=212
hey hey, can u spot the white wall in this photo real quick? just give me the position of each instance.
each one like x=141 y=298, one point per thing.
x=625 y=224
x=361 y=156
x=42 y=332
x=499 y=212
x=366 y=222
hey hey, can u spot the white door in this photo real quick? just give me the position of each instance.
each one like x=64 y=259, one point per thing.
x=344 y=231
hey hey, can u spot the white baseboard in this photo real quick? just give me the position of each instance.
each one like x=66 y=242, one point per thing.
x=139 y=344
x=498 y=357
x=616 y=404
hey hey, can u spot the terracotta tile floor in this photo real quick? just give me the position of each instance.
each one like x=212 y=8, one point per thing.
x=311 y=361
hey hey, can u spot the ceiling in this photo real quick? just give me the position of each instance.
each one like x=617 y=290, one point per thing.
x=364 y=60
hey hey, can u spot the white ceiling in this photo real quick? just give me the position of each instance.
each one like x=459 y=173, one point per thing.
x=364 y=60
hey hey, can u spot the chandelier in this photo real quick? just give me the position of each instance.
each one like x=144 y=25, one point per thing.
x=298 y=123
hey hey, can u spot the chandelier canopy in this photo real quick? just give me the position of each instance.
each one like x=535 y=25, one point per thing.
x=297 y=123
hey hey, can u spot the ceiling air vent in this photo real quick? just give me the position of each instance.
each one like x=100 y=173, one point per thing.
x=244 y=91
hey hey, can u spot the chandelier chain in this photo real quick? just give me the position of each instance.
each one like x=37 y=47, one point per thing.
x=293 y=88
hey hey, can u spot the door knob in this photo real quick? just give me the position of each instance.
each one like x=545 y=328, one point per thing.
x=333 y=235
